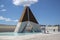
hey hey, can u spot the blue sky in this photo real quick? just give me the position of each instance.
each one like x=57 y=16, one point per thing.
x=46 y=12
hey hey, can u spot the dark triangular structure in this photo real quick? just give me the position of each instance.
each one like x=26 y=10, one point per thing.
x=27 y=22
x=28 y=13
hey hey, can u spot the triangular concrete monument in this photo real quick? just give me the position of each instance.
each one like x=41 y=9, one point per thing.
x=27 y=22
x=27 y=16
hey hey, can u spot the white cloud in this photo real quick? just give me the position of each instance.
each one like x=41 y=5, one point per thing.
x=1 y=5
x=15 y=20
x=3 y=10
x=24 y=2
x=7 y=19
x=2 y=18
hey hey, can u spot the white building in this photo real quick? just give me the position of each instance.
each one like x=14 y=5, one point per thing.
x=49 y=29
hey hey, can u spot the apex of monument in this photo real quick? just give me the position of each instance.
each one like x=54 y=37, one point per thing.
x=28 y=16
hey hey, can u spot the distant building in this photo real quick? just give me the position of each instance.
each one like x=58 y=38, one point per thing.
x=50 y=28
x=42 y=27
x=58 y=28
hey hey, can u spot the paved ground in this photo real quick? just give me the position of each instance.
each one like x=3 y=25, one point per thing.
x=33 y=37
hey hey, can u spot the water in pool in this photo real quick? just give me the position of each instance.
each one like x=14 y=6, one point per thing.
x=13 y=34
